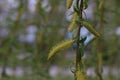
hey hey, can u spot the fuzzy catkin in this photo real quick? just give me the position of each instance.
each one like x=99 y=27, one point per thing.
x=72 y=25
x=90 y=28
x=69 y=3
x=60 y=47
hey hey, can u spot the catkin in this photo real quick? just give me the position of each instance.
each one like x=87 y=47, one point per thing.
x=69 y=3
x=60 y=47
x=72 y=25
x=90 y=28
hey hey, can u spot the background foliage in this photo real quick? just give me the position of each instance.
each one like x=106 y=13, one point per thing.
x=29 y=28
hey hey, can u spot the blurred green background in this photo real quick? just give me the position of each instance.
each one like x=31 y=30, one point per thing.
x=29 y=28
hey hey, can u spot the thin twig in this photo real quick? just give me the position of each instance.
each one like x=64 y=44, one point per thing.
x=78 y=33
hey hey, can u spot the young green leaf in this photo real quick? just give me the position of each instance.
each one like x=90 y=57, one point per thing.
x=76 y=9
x=80 y=53
x=77 y=3
x=83 y=39
x=85 y=4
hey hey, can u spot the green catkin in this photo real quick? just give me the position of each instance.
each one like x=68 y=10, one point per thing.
x=60 y=47
x=72 y=25
x=69 y=3
x=90 y=28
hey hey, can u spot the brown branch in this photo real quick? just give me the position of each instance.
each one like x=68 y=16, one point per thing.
x=78 y=33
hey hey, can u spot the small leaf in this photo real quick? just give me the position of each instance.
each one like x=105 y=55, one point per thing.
x=77 y=4
x=85 y=4
x=83 y=40
x=76 y=9
x=60 y=47
x=80 y=53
